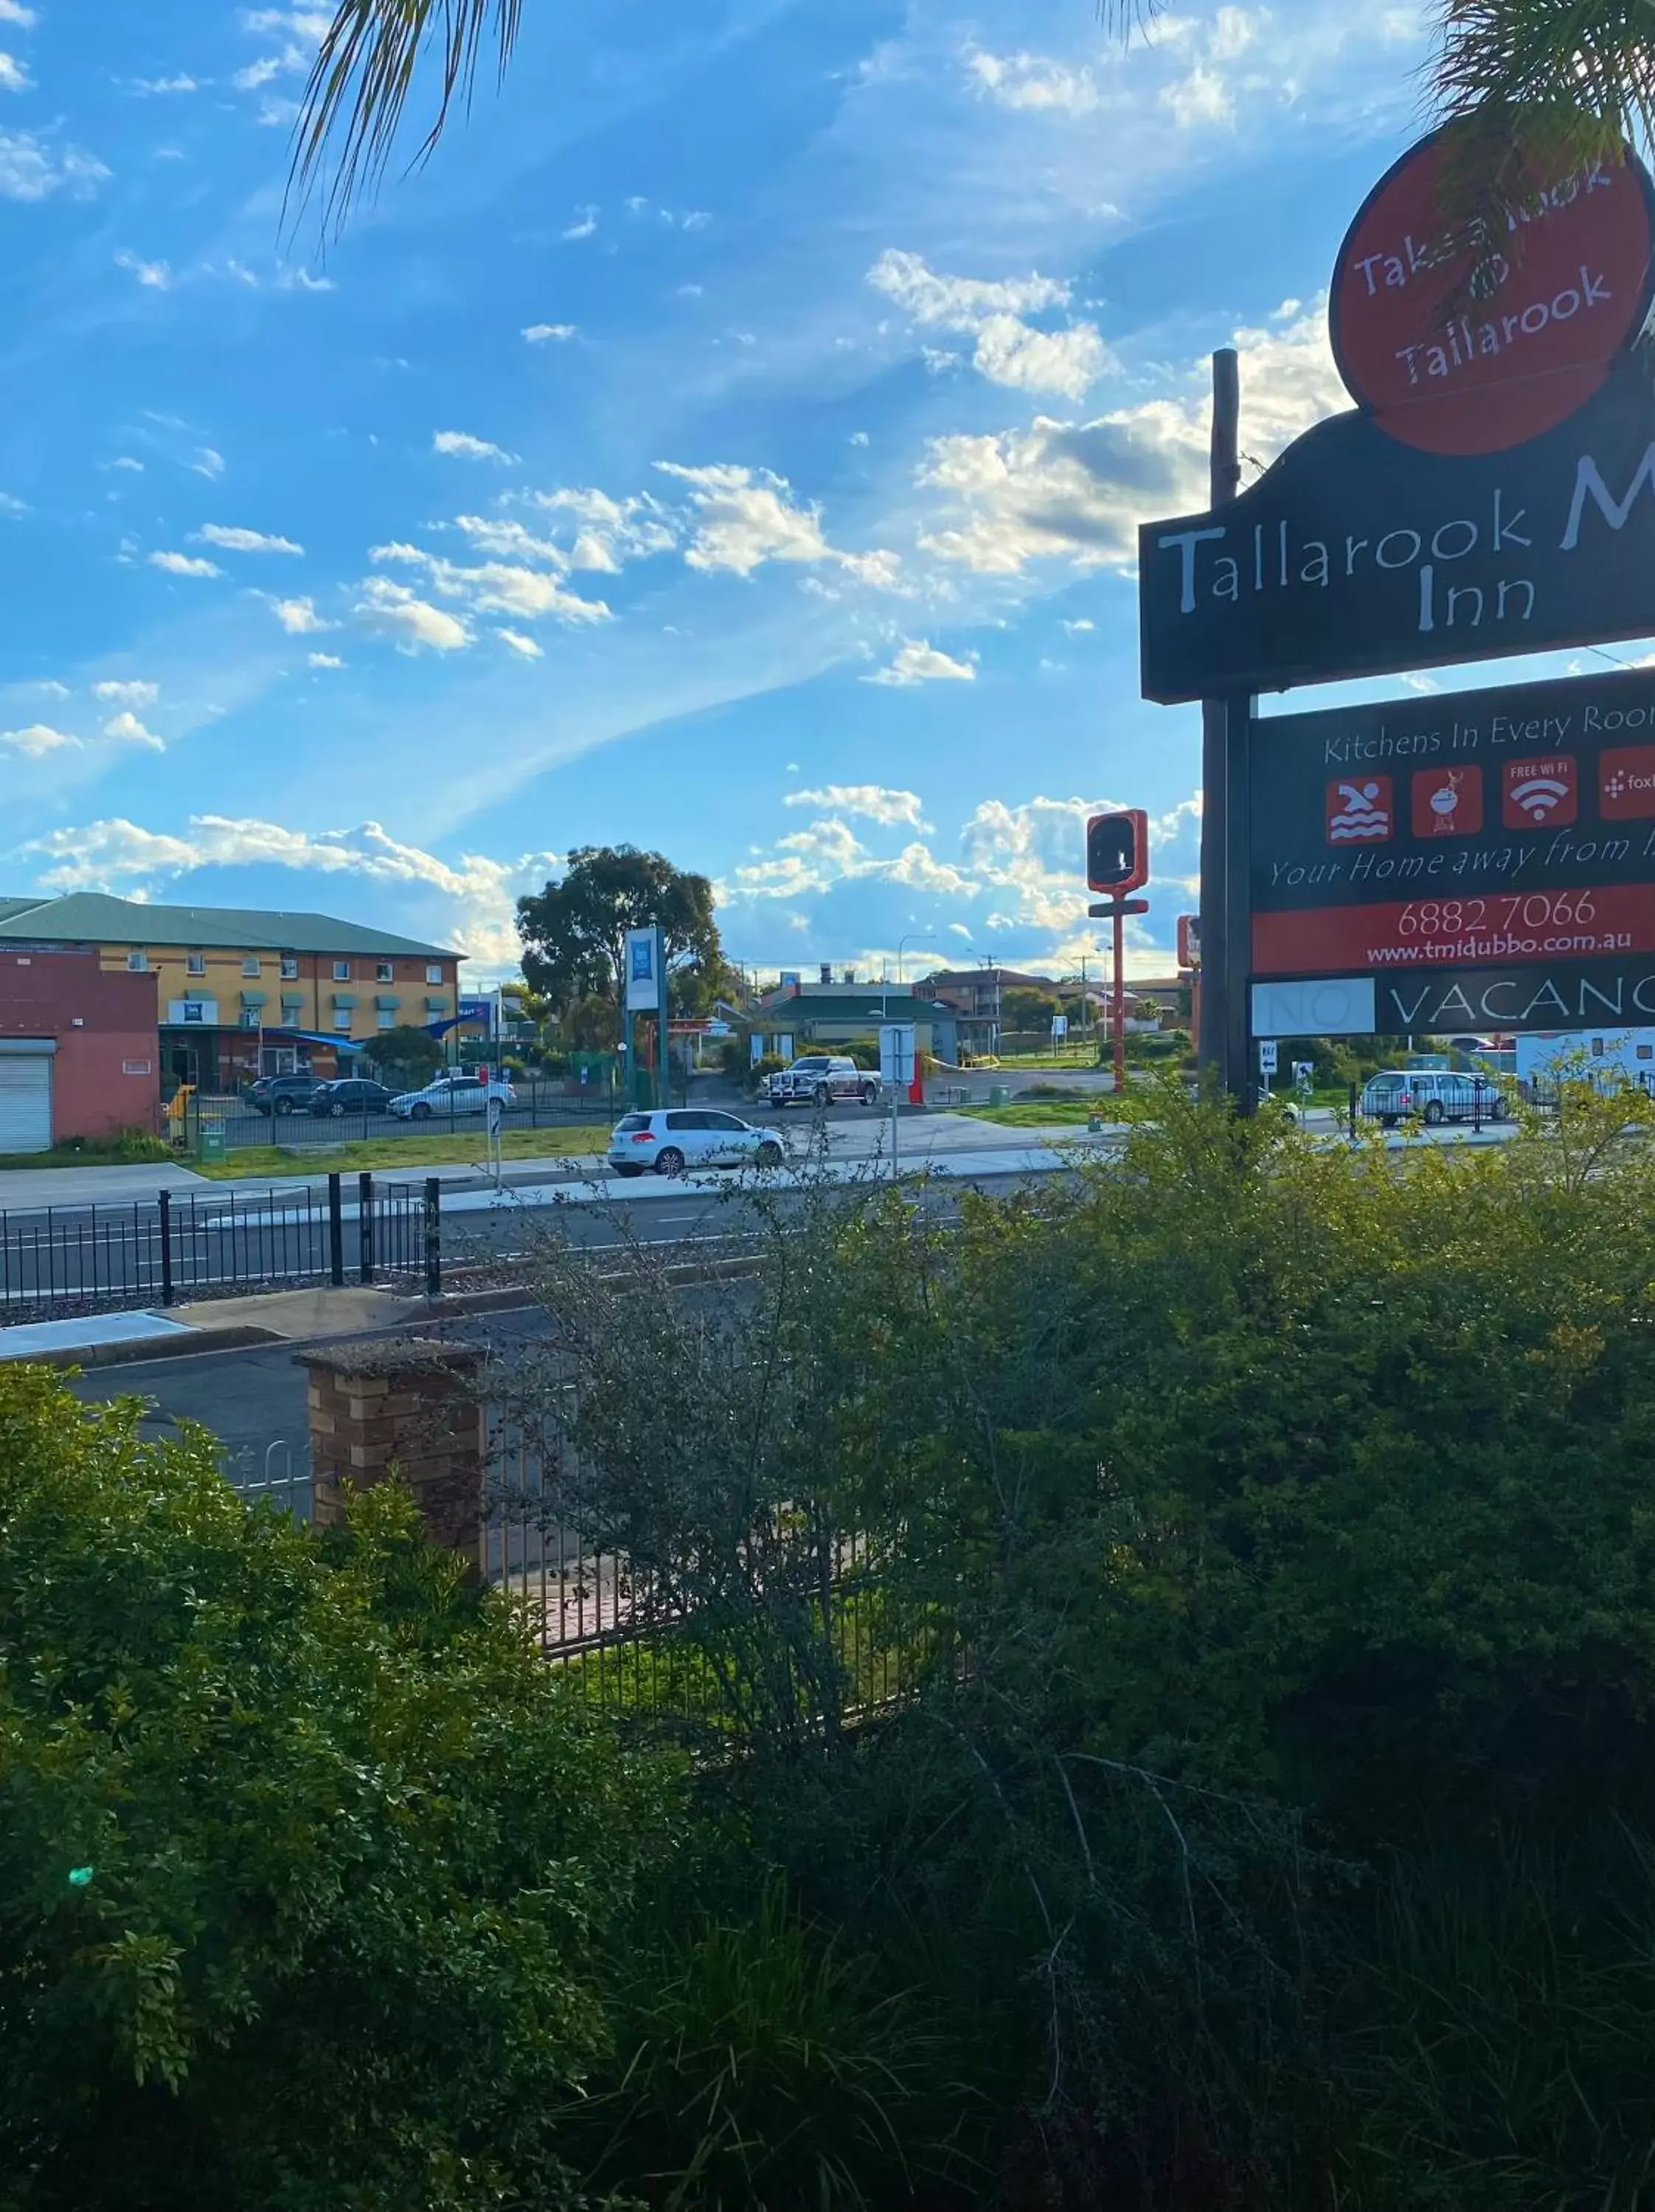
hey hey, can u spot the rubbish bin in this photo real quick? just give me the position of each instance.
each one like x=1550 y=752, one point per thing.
x=998 y=1095
x=209 y=1141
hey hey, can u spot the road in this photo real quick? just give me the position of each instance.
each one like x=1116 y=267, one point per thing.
x=219 y=1238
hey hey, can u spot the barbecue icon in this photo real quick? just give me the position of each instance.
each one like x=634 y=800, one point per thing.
x=1447 y=802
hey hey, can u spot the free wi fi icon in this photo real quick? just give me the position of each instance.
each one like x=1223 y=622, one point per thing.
x=1539 y=796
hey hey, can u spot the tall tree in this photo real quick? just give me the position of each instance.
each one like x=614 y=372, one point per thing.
x=574 y=932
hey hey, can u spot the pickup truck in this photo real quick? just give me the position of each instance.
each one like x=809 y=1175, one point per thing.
x=823 y=1079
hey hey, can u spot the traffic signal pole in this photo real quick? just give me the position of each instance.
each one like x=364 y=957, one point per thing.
x=1119 y=999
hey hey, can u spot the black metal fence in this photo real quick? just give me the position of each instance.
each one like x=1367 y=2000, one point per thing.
x=667 y=1640
x=181 y=1246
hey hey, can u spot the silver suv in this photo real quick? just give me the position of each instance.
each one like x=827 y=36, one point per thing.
x=824 y=1080
x=1436 y=1095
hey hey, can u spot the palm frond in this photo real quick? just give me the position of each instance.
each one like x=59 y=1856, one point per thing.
x=363 y=72
x=1593 y=59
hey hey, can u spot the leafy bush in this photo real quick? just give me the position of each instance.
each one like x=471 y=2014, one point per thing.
x=761 y=1069
x=1252 y=1536
x=757 y=2064
x=306 y=1860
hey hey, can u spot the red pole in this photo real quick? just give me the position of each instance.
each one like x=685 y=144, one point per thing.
x=1120 y=1001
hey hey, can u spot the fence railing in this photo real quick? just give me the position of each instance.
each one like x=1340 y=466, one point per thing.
x=184 y=1245
x=674 y=1642
x=291 y=1122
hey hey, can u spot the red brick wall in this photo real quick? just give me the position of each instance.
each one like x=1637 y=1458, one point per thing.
x=104 y=1024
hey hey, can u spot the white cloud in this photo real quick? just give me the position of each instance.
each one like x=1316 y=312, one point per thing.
x=1033 y=81
x=13 y=11
x=323 y=660
x=312 y=23
x=126 y=461
x=13 y=77
x=291 y=60
x=156 y=275
x=874 y=801
x=1234 y=29
x=393 y=612
x=157 y=86
x=461 y=445
x=519 y=643
x=741 y=518
x=289 y=279
x=298 y=618
x=118 y=855
x=33 y=168
x=38 y=739
x=549 y=333
x=52 y=689
x=209 y=463
x=10 y=504
x=1007 y=350
x=919 y=662
x=129 y=730
x=585 y=222
x=242 y=541
x=1200 y=97
x=184 y=564
x=497 y=586
x=606 y=532
x=129 y=694
x=859 y=437
x=1078 y=490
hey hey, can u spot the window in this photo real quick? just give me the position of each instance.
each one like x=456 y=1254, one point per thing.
x=342 y=972
x=342 y=1020
x=251 y=1019
x=289 y=967
x=137 y=963
x=385 y=972
x=434 y=972
x=196 y=963
x=387 y=1019
x=250 y=964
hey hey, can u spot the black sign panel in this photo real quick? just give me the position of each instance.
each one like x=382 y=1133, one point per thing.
x=1553 y=995
x=1356 y=554
x=1421 y=843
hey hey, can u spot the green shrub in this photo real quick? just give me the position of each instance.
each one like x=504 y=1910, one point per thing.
x=307 y=1863
x=757 y=2064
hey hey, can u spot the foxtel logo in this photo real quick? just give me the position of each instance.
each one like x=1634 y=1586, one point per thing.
x=1626 y=783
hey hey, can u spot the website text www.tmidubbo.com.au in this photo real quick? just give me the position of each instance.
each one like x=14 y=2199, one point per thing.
x=1455 y=932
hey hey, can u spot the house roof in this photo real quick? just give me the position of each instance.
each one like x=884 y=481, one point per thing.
x=95 y=918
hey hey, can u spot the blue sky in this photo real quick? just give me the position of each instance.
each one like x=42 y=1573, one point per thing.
x=731 y=442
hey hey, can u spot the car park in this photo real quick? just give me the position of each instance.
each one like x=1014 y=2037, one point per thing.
x=350 y=1094
x=1433 y=1094
x=455 y=1093
x=283 y=1094
x=674 y=1139
x=822 y=1078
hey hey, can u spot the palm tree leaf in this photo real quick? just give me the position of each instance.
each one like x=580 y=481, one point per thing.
x=362 y=74
x=1595 y=57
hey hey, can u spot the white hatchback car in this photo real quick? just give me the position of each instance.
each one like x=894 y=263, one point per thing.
x=450 y=1094
x=676 y=1138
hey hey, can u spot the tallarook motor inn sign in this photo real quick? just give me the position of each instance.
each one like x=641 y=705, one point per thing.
x=1472 y=862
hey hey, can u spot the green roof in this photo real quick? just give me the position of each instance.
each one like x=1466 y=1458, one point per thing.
x=95 y=918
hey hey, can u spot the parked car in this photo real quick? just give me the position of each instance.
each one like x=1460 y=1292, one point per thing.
x=450 y=1094
x=351 y=1094
x=674 y=1139
x=1435 y=1094
x=821 y=1080
x=283 y=1094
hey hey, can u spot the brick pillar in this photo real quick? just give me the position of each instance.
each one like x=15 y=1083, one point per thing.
x=404 y=1406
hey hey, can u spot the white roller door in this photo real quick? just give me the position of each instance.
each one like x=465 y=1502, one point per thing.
x=25 y=1102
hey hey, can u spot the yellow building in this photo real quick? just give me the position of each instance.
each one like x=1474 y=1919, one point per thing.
x=241 y=992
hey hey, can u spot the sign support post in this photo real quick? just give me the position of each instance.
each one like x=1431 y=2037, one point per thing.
x=1224 y=481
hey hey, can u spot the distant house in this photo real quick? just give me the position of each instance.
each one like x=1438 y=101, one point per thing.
x=824 y=1015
